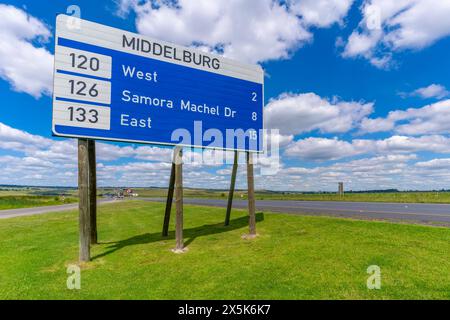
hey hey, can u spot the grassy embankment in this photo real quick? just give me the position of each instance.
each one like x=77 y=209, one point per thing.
x=294 y=257
x=27 y=201
x=404 y=197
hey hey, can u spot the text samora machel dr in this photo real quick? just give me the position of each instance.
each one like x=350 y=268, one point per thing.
x=187 y=105
x=126 y=120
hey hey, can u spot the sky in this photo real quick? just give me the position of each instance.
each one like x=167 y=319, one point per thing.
x=358 y=89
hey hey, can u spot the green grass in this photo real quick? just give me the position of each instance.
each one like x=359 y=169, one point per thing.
x=26 y=201
x=402 y=197
x=162 y=192
x=294 y=257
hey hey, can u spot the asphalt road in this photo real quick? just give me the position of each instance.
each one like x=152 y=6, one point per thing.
x=10 y=213
x=413 y=212
x=408 y=212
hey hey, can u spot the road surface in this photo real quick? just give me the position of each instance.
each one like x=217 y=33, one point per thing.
x=415 y=212
x=10 y=213
x=409 y=212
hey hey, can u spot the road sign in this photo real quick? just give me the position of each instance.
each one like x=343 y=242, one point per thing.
x=116 y=85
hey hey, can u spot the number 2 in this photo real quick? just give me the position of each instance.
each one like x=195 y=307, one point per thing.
x=254 y=96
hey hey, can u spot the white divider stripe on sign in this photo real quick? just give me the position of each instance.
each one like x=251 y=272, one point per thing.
x=108 y=37
x=81 y=115
x=82 y=88
x=83 y=62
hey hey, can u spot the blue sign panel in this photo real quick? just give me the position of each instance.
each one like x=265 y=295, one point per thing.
x=116 y=85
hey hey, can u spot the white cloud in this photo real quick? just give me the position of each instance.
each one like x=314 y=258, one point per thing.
x=40 y=161
x=431 y=119
x=248 y=30
x=322 y=149
x=321 y=13
x=434 y=164
x=54 y=162
x=391 y=26
x=432 y=91
x=380 y=172
x=14 y=139
x=36 y=146
x=295 y=114
x=369 y=125
x=153 y=153
x=110 y=152
x=404 y=144
x=23 y=61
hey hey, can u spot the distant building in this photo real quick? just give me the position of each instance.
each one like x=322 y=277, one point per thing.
x=341 y=188
x=126 y=192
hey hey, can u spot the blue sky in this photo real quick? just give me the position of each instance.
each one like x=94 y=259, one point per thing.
x=359 y=90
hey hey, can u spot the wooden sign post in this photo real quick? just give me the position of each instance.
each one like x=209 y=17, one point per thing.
x=169 y=200
x=251 y=197
x=175 y=186
x=232 y=185
x=92 y=191
x=179 y=248
x=87 y=193
x=83 y=202
x=251 y=194
x=165 y=231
